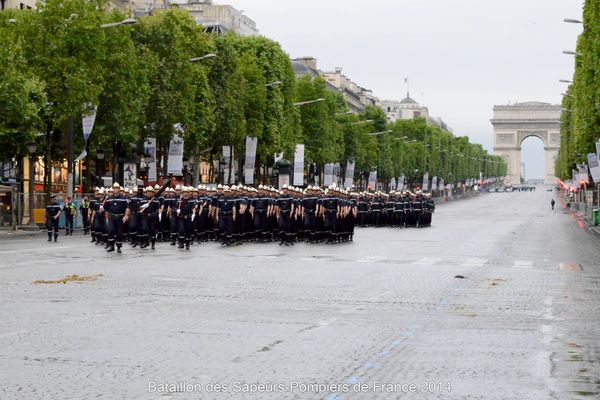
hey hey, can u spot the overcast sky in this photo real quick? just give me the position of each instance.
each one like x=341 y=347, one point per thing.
x=462 y=56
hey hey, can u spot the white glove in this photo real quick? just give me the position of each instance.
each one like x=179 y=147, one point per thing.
x=193 y=216
x=178 y=211
x=101 y=209
x=144 y=206
x=159 y=217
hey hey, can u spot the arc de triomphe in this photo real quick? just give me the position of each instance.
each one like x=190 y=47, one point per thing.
x=515 y=123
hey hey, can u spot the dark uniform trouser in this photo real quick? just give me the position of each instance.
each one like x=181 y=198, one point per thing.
x=115 y=229
x=52 y=225
x=226 y=227
x=85 y=221
x=135 y=225
x=185 y=228
x=330 y=224
x=285 y=225
x=69 y=222
x=309 y=225
x=149 y=223
x=100 y=226
x=260 y=223
x=174 y=225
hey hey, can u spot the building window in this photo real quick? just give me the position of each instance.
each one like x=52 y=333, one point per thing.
x=417 y=114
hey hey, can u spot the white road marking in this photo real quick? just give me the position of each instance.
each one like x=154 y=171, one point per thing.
x=475 y=262
x=427 y=260
x=523 y=264
x=12 y=333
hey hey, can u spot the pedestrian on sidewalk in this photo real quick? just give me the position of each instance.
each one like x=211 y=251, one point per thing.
x=552 y=203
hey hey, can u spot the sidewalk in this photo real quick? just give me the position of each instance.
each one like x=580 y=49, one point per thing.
x=581 y=213
x=7 y=233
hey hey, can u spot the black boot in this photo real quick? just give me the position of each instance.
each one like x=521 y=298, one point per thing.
x=144 y=244
x=134 y=242
x=187 y=244
x=173 y=240
x=119 y=248
x=180 y=244
x=49 y=237
x=110 y=248
x=153 y=241
x=55 y=237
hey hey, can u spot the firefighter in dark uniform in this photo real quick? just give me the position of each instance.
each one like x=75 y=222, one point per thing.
x=84 y=210
x=309 y=205
x=70 y=210
x=285 y=208
x=149 y=207
x=91 y=209
x=53 y=211
x=329 y=211
x=226 y=214
x=99 y=219
x=259 y=207
x=135 y=216
x=204 y=222
x=185 y=214
x=169 y=204
x=117 y=213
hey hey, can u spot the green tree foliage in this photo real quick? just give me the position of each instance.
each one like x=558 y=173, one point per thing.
x=22 y=95
x=581 y=115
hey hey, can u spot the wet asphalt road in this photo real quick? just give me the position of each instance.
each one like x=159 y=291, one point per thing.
x=362 y=320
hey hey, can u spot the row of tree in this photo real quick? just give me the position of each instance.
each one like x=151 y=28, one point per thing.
x=147 y=79
x=581 y=106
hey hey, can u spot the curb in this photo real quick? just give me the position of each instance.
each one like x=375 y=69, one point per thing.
x=16 y=235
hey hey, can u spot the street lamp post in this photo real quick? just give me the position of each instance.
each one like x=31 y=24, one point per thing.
x=302 y=103
x=100 y=171
x=204 y=57
x=127 y=21
x=31 y=147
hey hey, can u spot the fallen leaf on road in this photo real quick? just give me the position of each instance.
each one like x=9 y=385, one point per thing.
x=69 y=278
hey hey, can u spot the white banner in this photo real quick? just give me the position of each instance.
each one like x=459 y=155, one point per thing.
x=87 y=122
x=175 y=160
x=130 y=176
x=583 y=174
x=392 y=183
x=434 y=182
x=441 y=185
x=328 y=180
x=425 y=186
x=372 y=180
x=594 y=167
x=250 y=160
x=336 y=173
x=278 y=156
x=400 y=185
x=299 y=165
x=598 y=148
x=228 y=174
x=349 y=178
x=150 y=149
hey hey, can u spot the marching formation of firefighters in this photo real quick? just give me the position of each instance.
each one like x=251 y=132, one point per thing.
x=233 y=215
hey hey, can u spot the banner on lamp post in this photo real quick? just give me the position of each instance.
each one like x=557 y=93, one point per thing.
x=349 y=178
x=372 y=180
x=175 y=160
x=594 y=167
x=328 y=180
x=87 y=122
x=298 y=166
x=434 y=183
x=130 y=176
x=228 y=174
x=400 y=184
x=150 y=150
x=251 y=143
x=425 y=186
